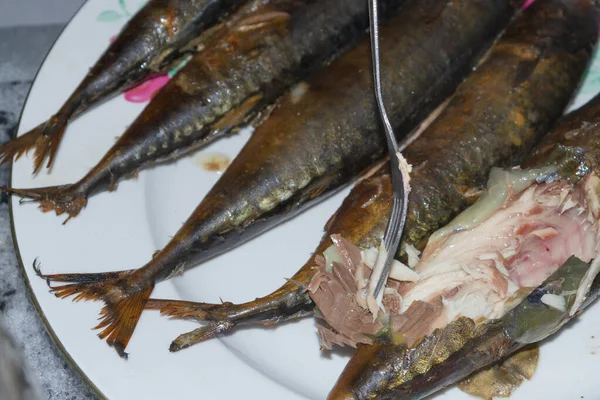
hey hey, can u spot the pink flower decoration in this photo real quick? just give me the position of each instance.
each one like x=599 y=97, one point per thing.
x=527 y=3
x=144 y=92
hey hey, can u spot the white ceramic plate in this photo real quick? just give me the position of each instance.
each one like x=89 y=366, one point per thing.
x=121 y=230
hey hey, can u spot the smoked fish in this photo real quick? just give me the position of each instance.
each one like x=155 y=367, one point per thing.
x=246 y=63
x=424 y=64
x=493 y=119
x=550 y=265
x=552 y=274
x=125 y=63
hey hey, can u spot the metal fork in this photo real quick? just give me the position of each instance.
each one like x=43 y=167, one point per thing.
x=395 y=226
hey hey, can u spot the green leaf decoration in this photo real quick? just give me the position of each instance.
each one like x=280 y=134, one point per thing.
x=124 y=7
x=109 y=16
x=591 y=80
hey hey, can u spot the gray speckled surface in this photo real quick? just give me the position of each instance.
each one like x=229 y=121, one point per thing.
x=22 y=51
x=36 y=12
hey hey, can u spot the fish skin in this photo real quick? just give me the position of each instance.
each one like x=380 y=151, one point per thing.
x=575 y=135
x=480 y=128
x=124 y=64
x=239 y=73
x=180 y=45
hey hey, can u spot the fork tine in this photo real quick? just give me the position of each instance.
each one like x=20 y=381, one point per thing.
x=395 y=226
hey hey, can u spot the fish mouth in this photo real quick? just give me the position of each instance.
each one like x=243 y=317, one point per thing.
x=478 y=270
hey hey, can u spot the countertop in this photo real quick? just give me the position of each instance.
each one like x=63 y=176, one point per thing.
x=22 y=50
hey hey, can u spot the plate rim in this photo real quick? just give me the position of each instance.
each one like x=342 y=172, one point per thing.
x=34 y=299
x=21 y=266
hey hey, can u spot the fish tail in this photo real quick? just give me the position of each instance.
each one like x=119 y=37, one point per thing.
x=43 y=140
x=122 y=308
x=62 y=199
x=289 y=302
x=199 y=335
x=20 y=145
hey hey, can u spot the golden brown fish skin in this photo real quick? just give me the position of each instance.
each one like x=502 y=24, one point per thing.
x=373 y=368
x=247 y=63
x=124 y=64
x=389 y=360
x=577 y=134
x=493 y=119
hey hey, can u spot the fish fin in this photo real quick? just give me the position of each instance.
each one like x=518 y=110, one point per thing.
x=200 y=335
x=20 y=145
x=183 y=309
x=43 y=139
x=122 y=309
x=502 y=379
x=262 y=115
x=61 y=199
x=238 y=116
x=257 y=29
x=47 y=144
x=224 y=317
